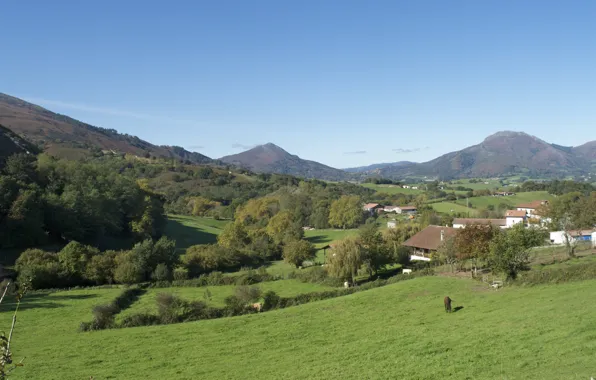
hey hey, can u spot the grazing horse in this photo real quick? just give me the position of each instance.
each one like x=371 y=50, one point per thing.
x=447 y=302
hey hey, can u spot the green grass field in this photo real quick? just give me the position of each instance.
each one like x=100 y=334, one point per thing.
x=284 y=288
x=483 y=202
x=490 y=184
x=321 y=238
x=398 y=331
x=192 y=230
x=451 y=208
x=392 y=189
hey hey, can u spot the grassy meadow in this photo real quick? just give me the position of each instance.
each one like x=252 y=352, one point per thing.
x=192 y=230
x=451 y=208
x=398 y=331
x=484 y=202
x=392 y=189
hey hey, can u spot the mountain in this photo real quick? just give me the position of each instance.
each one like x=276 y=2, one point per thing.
x=61 y=135
x=504 y=153
x=374 y=167
x=270 y=158
x=11 y=143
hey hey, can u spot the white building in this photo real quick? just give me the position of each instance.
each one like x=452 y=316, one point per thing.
x=405 y=209
x=463 y=222
x=558 y=237
x=532 y=208
x=513 y=217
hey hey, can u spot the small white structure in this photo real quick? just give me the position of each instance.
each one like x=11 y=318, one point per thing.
x=594 y=239
x=406 y=271
x=346 y=284
x=405 y=209
x=463 y=222
x=392 y=223
x=419 y=258
x=513 y=217
x=558 y=237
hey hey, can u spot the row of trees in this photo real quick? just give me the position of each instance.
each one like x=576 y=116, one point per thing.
x=504 y=251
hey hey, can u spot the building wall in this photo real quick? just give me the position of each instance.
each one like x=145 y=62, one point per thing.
x=513 y=220
x=459 y=225
x=558 y=237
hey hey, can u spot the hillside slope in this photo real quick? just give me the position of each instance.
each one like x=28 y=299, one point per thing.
x=504 y=153
x=65 y=136
x=398 y=331
x=270 y=158
x=11 y=143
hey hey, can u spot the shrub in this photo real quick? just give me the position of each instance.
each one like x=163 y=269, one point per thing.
x=139 y=319
x=180 y=274
x=161 y=273
x=170 y=308
x=103 y=316
x=128 y=272
x=577 y=272
x=100 y=269
x=270 y=300
x=247 y=294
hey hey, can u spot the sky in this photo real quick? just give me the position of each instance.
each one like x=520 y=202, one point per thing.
x=342 y=82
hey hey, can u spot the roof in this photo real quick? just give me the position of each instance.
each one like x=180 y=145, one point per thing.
x=515 y=213
x=467 y=221
x=407 y=207
x=533 y=204
x=430 y=237
x=371 y=205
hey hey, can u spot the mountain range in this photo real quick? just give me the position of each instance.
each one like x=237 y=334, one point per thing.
x=501 y=154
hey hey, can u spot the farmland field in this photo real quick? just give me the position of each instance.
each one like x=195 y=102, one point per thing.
x=284 y=288
x=321 y=238
x=483 y=202
x=447 y=207
x=192 y=230
x=391 y=189
x=398 y=329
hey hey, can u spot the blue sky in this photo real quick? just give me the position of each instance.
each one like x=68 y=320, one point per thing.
x=342 y=82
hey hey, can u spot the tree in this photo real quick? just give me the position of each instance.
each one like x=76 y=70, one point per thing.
x=74 y=258
x=234 y=236
x=473 y=243
x=298 y=251
x=346 y=212
x=447 y=253
x=246 y=294
x=161 y=273
x=376 y=254
x=509 y=251
x=345 y=259
x=282 y=228
x=100 y=268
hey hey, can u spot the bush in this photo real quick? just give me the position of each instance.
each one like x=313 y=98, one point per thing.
x=316 y=275
x=169 y=308
x=161 y=273
x=103 y=316
x=128 y=272
x=180 y=274
x=270 y=301
x=577 y=272
x=247 y=294
x=139 y=319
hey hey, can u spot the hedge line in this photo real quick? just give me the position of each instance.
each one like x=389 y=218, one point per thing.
x=575 y=272
x=179 y=311
x=104 y=315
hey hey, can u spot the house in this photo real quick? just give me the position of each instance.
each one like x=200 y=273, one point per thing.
x=503 y=194
x=392 y=223
x=429 y=240
x=594 y=239
x=532 y=208
x=514 y=217
x=462 y=222
x=558 y=237
x=406 y=209
x=373 y=207
x=389 y=208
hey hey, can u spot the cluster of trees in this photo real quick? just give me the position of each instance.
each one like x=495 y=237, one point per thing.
x=381 y=181
x=556 y=187
x=78 y=264
x=44 y=200
x=504 y=251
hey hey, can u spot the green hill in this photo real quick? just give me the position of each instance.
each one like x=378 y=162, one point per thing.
x=398 y=331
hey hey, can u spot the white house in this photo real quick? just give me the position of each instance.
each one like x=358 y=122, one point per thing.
x=405 y=209
x=514 y=217
x=558 y=237
x=390 y=208
x=463 y=222
x=594 y=239
x=532 y=208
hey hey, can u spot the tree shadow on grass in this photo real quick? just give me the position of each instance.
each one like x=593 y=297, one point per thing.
x=41 y=301
x=319 y=239
x=458 y=308
x=186 y=236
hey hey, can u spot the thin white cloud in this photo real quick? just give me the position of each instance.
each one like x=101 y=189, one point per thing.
x=356 y=152
x=242 y=146
x=409 y=150
x=101 y=110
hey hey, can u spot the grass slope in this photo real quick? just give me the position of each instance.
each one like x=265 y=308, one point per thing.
x=451 y=208
x=391 y=189
x=193 y=230
x=284 y=288
x=483 y=202
x=399 y=331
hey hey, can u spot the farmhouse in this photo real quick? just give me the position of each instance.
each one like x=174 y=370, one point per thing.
x=428 y=240
x=503 y=194
x=389 y=208
x=532 y=208
x=558 y=237
x=462 y=222
x=405 y=209
x=373 y=207
x=515 y=216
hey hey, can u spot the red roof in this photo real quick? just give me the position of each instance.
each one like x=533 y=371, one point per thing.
x=430 y=237
x=515 y=213
x=371 y=205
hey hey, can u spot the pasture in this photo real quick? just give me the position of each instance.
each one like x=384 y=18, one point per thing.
x=392 y=189
x=451 y=208
x=489 y=184
x=193 y=230
x=398 y=331
x=484 y=202
x=321 y=238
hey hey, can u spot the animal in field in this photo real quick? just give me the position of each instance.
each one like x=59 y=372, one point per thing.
x=257 y=306
x=447 y=302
